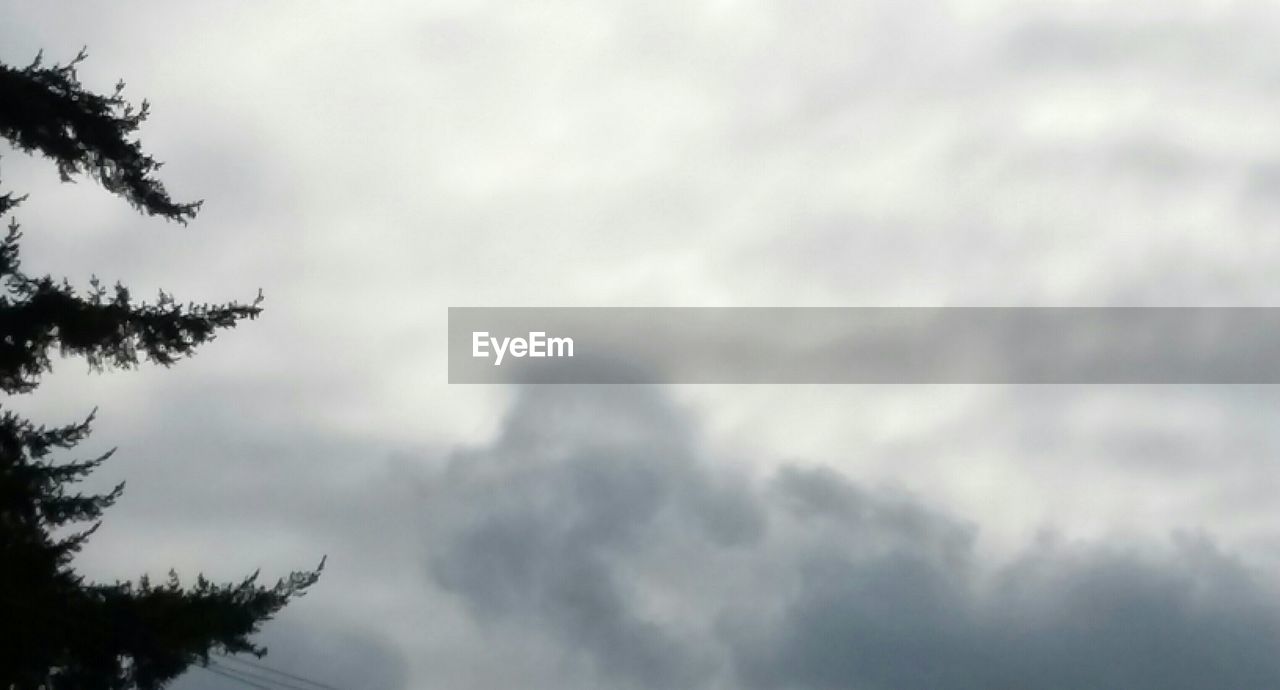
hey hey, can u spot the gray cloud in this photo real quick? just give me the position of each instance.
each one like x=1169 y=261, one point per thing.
x=531 y=530
x=592 y=504
x=1090 y=617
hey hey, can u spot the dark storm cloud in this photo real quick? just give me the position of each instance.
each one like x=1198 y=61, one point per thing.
x=566 y=527
x=1057 y=619
x=536 y=525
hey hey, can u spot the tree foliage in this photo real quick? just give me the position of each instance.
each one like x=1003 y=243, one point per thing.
x=57 y=630
x=45 y=110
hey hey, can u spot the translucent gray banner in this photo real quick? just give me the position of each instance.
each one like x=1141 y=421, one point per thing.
x=863 y=345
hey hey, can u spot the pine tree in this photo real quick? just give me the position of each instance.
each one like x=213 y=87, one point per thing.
x=58 y=631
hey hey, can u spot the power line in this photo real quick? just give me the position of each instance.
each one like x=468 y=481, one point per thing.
x=263 y=667
x=259 y=677
x=235 y=678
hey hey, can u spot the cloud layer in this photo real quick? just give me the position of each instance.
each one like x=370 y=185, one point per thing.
x=369 y=165
x=594 y=525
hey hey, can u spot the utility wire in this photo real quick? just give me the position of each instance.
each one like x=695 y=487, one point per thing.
x=263 y=667
x=238 y=679
x=273 y=683
x=259 y=677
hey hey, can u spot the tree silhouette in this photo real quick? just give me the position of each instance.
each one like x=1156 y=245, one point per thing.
x=56 y=630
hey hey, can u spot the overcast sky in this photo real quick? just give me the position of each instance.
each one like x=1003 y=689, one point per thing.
x=370 y=164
